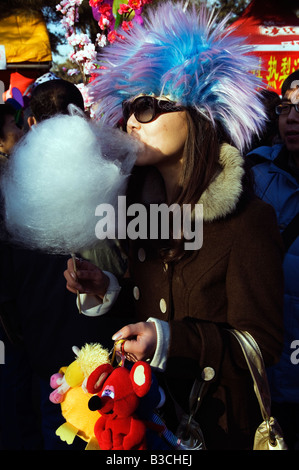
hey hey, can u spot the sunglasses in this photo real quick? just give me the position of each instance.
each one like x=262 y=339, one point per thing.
x=285 y=108
x=146 y=108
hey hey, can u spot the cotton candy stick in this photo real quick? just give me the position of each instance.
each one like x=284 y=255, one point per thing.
x=78 y=294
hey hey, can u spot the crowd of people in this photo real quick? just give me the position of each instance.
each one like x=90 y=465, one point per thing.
x=192 y=102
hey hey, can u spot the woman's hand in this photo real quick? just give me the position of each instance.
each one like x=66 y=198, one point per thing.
x=86 y=279
x=140 y=341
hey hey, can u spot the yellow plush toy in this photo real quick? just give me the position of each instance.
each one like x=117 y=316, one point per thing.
x=70 y=392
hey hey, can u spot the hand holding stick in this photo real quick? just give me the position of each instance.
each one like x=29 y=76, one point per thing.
x=78 y=295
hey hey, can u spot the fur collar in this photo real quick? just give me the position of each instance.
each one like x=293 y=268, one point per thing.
x=222 y=196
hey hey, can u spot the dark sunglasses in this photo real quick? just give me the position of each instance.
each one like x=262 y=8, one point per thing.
x=285 y=108
x=146 y=108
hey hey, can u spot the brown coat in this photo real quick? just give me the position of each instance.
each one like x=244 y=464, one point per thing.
x=234 y=280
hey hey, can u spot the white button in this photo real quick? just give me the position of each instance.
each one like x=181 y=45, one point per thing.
x=136 y=293
x=163 y=305
x=141 y=255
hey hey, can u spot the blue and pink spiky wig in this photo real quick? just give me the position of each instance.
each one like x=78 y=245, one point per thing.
x=189 y=58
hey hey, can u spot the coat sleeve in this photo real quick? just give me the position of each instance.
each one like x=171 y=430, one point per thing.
x=254 y=286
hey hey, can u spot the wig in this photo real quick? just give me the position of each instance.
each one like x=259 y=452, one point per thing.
x=188 y=58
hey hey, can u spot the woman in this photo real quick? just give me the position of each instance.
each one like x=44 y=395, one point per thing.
x=185 y=92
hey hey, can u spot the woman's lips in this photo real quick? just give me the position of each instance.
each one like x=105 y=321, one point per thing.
x=292 y=133
x=292 y=138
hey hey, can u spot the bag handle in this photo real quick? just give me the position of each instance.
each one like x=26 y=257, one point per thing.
x=257 y=369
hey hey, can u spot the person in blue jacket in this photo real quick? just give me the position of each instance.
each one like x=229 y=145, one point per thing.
x=276 y=174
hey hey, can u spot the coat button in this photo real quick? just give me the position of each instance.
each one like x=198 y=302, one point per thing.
x=136 y=293
x=208 y=373
x=141 y=255
x=163 y=305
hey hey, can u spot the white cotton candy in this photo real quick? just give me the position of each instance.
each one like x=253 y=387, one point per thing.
x=56 y=177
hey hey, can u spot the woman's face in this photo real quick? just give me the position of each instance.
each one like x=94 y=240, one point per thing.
x=289 y=123
x=164 y=138
x=11 y=134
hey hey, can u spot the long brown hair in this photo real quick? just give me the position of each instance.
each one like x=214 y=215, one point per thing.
x=201 y=155
x=200 y=164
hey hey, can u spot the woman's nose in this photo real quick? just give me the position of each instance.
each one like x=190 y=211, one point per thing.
x=132 y=122
x=293 y=114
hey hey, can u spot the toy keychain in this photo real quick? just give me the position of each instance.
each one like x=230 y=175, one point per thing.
x=122 y=342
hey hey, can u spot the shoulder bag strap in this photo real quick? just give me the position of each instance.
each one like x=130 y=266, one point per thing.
x=257 y=369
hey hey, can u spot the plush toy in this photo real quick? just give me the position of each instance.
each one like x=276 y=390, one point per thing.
x=158 y=436
x=118 y=392
x=70 y=392
x=126 y=396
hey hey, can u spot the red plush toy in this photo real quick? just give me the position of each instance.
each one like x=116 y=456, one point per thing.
x=118 y=394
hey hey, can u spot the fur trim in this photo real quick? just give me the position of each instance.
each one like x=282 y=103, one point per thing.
x=221 y=197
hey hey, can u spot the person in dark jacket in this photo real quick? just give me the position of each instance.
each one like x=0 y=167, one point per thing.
x=276 y=172
x=10 y=134
x=41 y=319
x=186 y=92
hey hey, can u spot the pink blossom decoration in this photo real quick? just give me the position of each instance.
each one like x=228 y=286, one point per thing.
x=84 y=52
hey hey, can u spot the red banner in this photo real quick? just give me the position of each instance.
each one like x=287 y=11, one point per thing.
x=273 y=29
x=276 y=66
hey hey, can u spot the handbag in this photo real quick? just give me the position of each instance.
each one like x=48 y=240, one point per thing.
x=268 y=435
x=189 y=435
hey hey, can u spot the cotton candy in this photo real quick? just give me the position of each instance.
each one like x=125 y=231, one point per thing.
x=56 y=177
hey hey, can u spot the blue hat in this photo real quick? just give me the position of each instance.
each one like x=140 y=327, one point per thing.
x=186 y=56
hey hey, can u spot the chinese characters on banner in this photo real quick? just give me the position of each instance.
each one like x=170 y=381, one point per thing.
x=278 y=51
x=275 y=67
